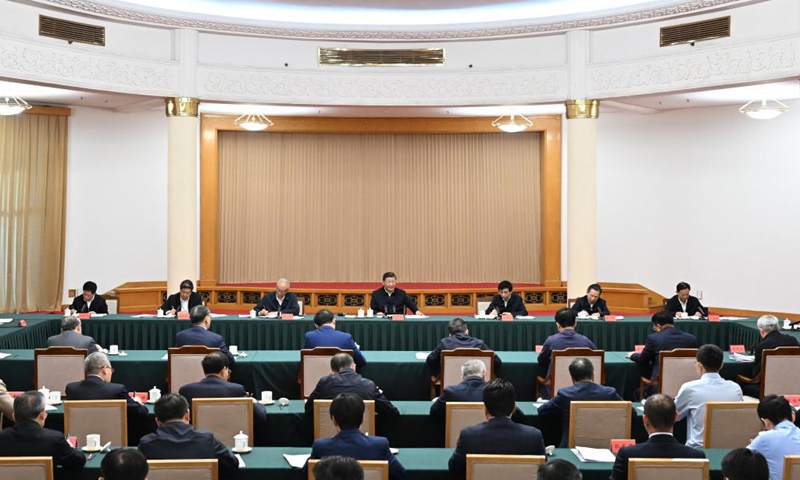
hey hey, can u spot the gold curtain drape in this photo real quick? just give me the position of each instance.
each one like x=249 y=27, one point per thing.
x=347 y=207
x=33 y=167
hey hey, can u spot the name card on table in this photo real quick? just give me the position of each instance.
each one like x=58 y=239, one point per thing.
x=713 y=318
x=183 y=315
x=397 y=316
x=507 y=317
x=72 y=440
x=794 y=400
x=611 y=318
x=737 y=349
x=539 y=348
x=287 y=316
x=23 y=323
x=618 y=443
x=84 y=316
x=638 y=348
x=142 y=396
x=14 y=394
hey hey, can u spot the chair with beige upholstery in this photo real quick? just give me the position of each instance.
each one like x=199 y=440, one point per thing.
x=323 y=423
x=315 y=363
x=225 y=417
x=507 y=467
x=373 y=469
x=55 y=367
x=451 y=363
x=730 y=424
x=595 y=424
x=29 y=468
x=777 y=376
x=675 y=367
x=458 y=416
x=195 y=469
x=559 y=372
x=107 y=418
x=667 y=469
x=184 y=365
x=791 y=467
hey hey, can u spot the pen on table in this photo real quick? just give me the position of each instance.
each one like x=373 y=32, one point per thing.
x=91 y=455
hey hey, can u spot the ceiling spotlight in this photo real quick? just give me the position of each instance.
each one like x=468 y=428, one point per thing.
x=13 y=105
x=763 y=109
x=255 y=122
x=512 y=123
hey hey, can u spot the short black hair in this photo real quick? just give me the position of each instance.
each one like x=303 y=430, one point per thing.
x=187 y=284
x=594 y=286
x=745 y=464
x=28 y=405
x=457 y=325
x=90 y=287
x=348 y=410
x=337 y=467
x=499 y=397
x=710 y=357
x=340 y=361
x=581 y=369
x=198 y=313
x=323 y=317
x=663 y=318
x=660 y=410
x=505 y=285
x=389 y=275
x=171 y=407
x=566 y=317
x=558 y=469
x=124 y=464
x=682 y=286
x=774 y=408
x=70 y=323
x=214 y=362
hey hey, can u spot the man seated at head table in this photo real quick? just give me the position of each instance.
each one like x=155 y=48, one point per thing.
x=278 y=302
x=567 y=337
x=347 y=412
x=389 y=299
x=183 y=301
x=124 y=464
x=343 y=379
x=659 y=418
x=175 y=438
x=72 y=336
x=326 y=335
x=781 y=436
x=506 y=302
x=458 y=338
x=683 y=305
x=338 y=467
x=200 y=334
x=744 y=464
x=591 y=305
x=29 y=438
x=89 y=301
x=769 y=330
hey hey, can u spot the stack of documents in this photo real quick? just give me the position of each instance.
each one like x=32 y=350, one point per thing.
x=586 y=454
x=743 y=358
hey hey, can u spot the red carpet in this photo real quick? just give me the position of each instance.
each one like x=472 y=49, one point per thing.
x=377 y=284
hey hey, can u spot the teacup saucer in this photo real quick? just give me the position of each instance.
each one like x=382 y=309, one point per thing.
x=246 y=450
x=91 y=450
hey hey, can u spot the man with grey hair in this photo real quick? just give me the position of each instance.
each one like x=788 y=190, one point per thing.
x=280 y=301
x=72 y=336
x=473 y=379
x=29 y=438
x=768 y=328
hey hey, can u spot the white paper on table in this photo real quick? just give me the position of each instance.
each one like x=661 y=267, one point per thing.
x=734 y=318
x=483 y=316
x=586 y=454
x=144 y=315
x=4 y=355
x=48 y=408
x=421 y=355
x=216 y=315
x=743 y=358
x=525 y=317
x=412 y=317
x=165 y=357
x=640 y=408
x=538 y=404
x=246 y=315
x=99 y=315
x=620 y=317
x=241 y=462
x=6 y=320
x=394 y=451
x=296 y=461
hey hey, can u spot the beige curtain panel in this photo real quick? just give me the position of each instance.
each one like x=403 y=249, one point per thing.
x=33 y=165
x=347 y=207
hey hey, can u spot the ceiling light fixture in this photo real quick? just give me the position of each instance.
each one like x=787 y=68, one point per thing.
x=255 y=122
x=509 y=123
x=12 y=105
x=763 y=109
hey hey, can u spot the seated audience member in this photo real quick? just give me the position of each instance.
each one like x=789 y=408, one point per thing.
x=176 y=439
x=217 y=384
x=89 y=301
x=71 y=336
x=744 y=464
x=506 y=302
x=591 y=303
x=389 y=299
x=183 y=301
x=567 y=337
x=347 y=412
x=343 y=379
x=768 y=328
x=583 y=389
x=124 y=464
x=326 y=335
x=659 y=418
x=499 y=435
x=685 y=304
x=692 y=396
x=667 y=337
x=458 y=338
x=200 y=334
x=29 y=438
x=558 y=470
x=781 y=437
x=337 y=467
x=6 y=404
x=280 y=301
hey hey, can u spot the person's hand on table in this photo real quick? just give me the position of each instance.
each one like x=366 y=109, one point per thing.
x=493 y=313
x=272 y=314
x=595 y=315
x=137 y=400
x=171 y=312
x=263 y=312
x=419 y=312
x=380 y=314
x=629 y=354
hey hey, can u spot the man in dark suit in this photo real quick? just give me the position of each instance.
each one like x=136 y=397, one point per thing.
x=326 y=335
x=89 y=301
x=659 y=418
x=347 y=412
x=217 y=385
x=389 y=299
x=499 y=435
x=280 y=301
x=591 y=303
x=567 y=337
x=684 y=305
x=344 y=380
x=667 y=337
x=29 y=438
x=769 y=330
x=175 y=438
x=71 y=336
x=200 y=334
x=458 y=338
x=183 y=301
x=506 y=302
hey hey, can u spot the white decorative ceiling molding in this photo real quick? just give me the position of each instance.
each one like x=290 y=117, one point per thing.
x=394 y=34
x=24 y=60
x=249 y=86
x=753 y=62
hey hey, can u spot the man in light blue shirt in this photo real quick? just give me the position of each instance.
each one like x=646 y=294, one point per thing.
x=782 y=436
x=692 y=396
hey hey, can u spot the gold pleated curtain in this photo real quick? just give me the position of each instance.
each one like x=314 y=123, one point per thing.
x=347 y=207
x=33 y=166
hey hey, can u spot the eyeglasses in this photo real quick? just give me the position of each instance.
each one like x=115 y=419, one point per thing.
x=109 y=366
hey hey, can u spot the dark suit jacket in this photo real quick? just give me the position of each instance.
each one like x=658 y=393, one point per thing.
x=562 y=340
x=198 y=335
x=499 y=436
x=657 y=446
x=348 y=381
x=581 y=391
x=692 y=306
x=667 y=339
x=459 y=340
x=582 y=304
x=177 y=440
x=215 y=387
x=95 y=388
x=353 y=443
x=327 y=336
x=773 y=339
x=397 y=302
x=28 y=439
x=98 y=305
x=71 y=338
x=469 y=390
x=514 y=307
x=174 y=302
x=270 y=303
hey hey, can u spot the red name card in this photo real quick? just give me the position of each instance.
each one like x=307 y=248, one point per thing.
x=84 y=316
x=737 y=349
x=507 y=317
x=73 y=441
x=618 y=443
x=183 y=315
x=611 y=318
x=793 y=399
x=539 y=348
x=638 y=348
x=397 y=316
x=23 y=323
x=142 y=395
x=287 y=316
x=14 y=394
x=713 y=318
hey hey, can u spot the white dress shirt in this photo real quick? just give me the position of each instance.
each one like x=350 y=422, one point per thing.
x=184 y=305
x=691 y=403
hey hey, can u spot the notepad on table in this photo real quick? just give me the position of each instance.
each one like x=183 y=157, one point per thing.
x=296 y=461
x=586 y=454
x=743 y=358
x=6 y=320
x=4 y=355
x=421 y=355
x=241 y=461
x=412 y=317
